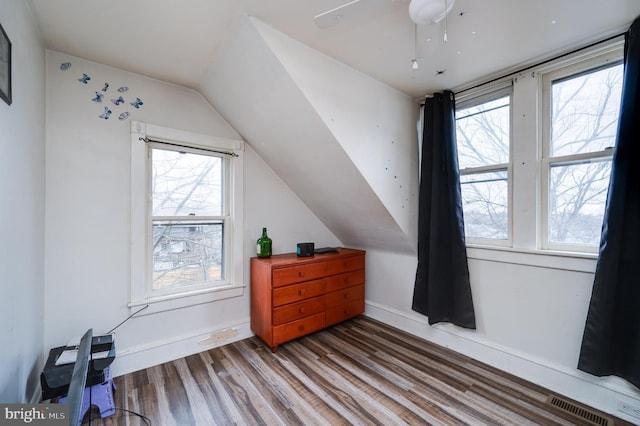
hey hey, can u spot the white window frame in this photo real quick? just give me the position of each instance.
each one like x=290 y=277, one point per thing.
x=141 y=260
x=480 y=95
x=526 y=173
x=609 y=57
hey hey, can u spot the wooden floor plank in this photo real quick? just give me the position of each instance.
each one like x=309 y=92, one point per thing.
x=360 y=372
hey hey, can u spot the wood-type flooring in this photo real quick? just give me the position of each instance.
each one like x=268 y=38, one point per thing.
x=360 y=372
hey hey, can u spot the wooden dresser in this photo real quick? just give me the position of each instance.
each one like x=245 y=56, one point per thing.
x=292 y=296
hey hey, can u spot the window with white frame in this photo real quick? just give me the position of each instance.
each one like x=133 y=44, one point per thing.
x=186 y=202
x=580 y=119
x=189 y=216
x=483 y=134
x=535 y=152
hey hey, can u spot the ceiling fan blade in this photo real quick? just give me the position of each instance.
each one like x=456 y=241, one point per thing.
x=347 y=11
x=427 y=12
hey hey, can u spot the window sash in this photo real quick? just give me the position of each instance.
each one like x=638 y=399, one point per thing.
x=183 y=220
x=225 y=163
x=549 y=163
x=185 y=257
x=529 y=161
x=549 y=228
x=479 y=96
x=142 y=134
x=479 y=209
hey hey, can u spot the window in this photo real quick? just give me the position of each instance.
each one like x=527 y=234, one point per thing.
x=535 y=151
x=185 y=203
x=189 y=217
x=483 y=133
x=581 y=117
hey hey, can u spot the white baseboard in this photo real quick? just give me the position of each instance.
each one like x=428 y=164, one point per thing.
x=605 y=394
x=144 y=356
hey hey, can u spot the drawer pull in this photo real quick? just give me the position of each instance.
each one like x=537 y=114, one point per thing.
x=301 y=274
x=302 y=291
x=301 y=328
x=301 y=311
x=346 y=295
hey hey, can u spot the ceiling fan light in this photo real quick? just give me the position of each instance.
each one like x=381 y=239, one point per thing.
x=426 y=12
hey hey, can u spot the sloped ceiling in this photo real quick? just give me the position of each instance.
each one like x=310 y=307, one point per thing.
x=177 y=41
x=275 y=92
x=330 y=110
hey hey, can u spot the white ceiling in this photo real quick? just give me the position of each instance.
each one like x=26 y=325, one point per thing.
x=178 y=40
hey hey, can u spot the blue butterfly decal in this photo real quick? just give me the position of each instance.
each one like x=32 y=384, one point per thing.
x=124 y=116
x=118 y=101
x=65 y=66
x=136 y=103
x=123 y=89
x=84 y=79
x=106 y=114
x=106 y=87
x=98 y=97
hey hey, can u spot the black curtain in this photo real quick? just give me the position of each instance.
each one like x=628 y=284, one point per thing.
x=611 y=341
x=442 y=290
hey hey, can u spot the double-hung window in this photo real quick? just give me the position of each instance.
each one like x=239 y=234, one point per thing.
x=186 y=223
x=483 y=135
x=535 y=152
x=580 y=120
x=189 y=218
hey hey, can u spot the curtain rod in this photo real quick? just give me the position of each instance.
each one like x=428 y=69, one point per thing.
x=546 y=61
x=147 y=140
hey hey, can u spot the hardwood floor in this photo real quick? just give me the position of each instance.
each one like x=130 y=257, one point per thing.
x=358 y=372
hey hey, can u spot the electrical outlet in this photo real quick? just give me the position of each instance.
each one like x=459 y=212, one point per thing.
x=630 y=409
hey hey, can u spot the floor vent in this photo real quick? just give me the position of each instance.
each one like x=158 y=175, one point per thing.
x=585 y=414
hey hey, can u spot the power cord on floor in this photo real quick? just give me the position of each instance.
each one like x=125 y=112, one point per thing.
x=144 y=418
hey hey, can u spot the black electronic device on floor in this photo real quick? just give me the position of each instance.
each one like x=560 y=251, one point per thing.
x=55 y=379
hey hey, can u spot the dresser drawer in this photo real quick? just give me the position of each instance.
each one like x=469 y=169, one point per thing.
x=296 y=274
x=340 y=297
x=294 y=311
x=347 y=264
x=349 y=279
x=291 y=330
x=297 y=292
x=343 y=312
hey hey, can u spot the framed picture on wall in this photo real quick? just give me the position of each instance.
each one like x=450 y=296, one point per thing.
x=5 y=66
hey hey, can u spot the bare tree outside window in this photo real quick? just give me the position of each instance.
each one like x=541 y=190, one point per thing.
x=187 y=209
x=483 y=134
x=584 y=119
x=582 y=123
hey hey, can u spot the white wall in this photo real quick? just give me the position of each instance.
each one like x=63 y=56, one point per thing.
x=87 y=216
x=530 y=314
x=22 y=209
x=353 y=169
x=372 y=122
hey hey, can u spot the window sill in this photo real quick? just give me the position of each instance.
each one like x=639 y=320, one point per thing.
x=184 y=300
x=567 y=261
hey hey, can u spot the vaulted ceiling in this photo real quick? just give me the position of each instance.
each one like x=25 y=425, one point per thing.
x=337 y=99
x=177 y=41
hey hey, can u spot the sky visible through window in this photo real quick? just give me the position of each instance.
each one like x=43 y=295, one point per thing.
x=583 y=119
x=187 y=201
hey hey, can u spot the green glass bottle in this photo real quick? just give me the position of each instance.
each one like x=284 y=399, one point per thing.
x=263 y=246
